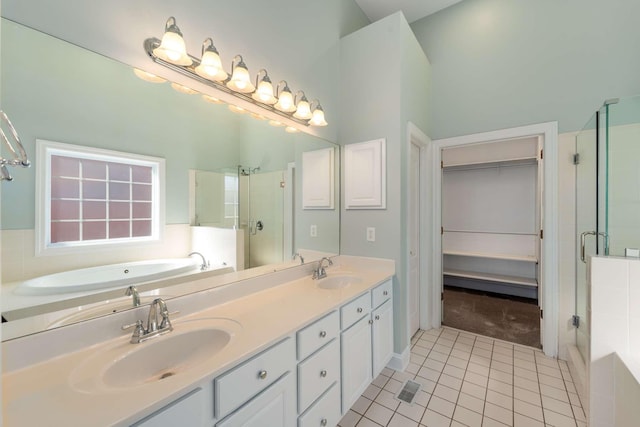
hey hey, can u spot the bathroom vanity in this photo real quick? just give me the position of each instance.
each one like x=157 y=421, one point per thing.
x=278 y=350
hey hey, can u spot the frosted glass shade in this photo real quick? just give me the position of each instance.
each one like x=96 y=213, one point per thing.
x=172 y=49
x=211 y=67
x=264 y=93
x=303 y=110
x=285 y=102
x=240 y=80
x=318 y=118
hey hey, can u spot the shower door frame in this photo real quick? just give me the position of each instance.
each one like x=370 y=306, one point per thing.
x=549 y=246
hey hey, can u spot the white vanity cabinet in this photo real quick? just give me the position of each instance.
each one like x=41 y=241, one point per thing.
x=189 y=410
x=238 y=385
x=319 y=372
x=366 y=339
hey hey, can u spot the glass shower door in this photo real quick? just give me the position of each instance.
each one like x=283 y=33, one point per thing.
x=586 y=222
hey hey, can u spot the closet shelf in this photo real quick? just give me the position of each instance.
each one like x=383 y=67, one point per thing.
x=491 y=164
x=516 y=280
x=508 y=257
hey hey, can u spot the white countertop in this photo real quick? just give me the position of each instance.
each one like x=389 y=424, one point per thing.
x=42 y=393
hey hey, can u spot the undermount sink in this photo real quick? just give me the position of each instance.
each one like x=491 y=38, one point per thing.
x=190 y=345
x=338 y=282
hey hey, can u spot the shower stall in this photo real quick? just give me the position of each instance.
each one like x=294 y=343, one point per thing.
x=249 y=200
x=607 y=163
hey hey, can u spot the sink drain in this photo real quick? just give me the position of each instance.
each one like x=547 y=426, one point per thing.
x=166 y=375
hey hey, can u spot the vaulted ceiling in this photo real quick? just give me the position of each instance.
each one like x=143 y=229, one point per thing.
x=413 y=9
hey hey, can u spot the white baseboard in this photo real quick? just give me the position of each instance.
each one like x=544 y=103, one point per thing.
x=399 y=362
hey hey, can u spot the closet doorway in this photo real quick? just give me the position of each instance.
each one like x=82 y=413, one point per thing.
x=490 y=238
x=494 y=263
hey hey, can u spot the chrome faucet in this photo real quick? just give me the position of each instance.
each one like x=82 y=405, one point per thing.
x=298 y=255
x=205 y=264
x=158 y=323
x=133 y=292
x=320 y=272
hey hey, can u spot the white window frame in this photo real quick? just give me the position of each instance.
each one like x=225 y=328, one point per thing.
x=44 y=150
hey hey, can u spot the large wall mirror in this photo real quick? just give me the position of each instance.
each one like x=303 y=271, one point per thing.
x=224 y=170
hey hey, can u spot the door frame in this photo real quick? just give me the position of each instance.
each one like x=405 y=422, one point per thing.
x=419 y=138
x=549 y=304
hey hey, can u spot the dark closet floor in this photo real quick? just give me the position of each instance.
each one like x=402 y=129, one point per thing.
x=498 y=316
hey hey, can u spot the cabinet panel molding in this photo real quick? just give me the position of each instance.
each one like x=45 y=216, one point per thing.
x=365 y=175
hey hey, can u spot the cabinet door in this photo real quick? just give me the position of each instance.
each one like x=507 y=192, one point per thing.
x=189 y=410
x=382 y=336
x=274 y=407
x=355 y=361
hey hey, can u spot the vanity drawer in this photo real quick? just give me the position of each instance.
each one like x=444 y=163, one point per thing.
x=317 y=334
x=381 y=293
x=325 y=412
x=350 y=313
x=317 y=373
x=239 y=384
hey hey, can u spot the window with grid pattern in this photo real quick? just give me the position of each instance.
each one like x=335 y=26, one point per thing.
x=94 y=197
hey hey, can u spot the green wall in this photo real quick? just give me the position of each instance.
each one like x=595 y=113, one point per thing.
x=505 y=63
x=384 y=84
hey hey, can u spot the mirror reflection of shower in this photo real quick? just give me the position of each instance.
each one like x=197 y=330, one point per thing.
x=261 y=216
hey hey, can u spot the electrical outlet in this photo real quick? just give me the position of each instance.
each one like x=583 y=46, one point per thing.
x=371 y=234
x=314 y=231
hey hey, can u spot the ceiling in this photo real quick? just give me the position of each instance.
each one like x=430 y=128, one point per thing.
x=413 y=9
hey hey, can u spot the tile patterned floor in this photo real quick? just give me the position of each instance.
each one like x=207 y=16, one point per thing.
x=471 y=380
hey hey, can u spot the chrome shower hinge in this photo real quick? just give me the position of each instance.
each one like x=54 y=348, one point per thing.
x=575 y=320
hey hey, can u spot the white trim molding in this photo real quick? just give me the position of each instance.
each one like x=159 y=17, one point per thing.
x=549 y=133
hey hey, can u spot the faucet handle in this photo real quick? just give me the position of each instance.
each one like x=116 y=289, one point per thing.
x=131 y=325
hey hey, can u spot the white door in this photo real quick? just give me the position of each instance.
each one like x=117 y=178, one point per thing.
x=414 y=239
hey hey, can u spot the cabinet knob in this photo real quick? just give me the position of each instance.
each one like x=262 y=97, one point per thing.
x=359 y=310
x=323 y=334
x=323 y=422
x=323 y=373
x=385 y=293
x=377 y=317
x=262 y=374
x=370 y=321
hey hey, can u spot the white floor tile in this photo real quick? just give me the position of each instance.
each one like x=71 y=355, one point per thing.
x=473 y=403
x=365 y=422
x=500 y=399
x=399 y=420
x=441 y=406
x=522 y=421
x=387 y=400
x=413 y=412
x=446 y=393
x=498 y=413
x=469 y=380
x=434 y=419
x=557 y=420
x=467 y=417
x=361 y=405
x=379 y=414
x=350 y=419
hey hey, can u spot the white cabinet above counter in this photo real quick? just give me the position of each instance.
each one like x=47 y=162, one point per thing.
x=298 y=313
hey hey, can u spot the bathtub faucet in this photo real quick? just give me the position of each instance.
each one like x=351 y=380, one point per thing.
x=205 y=264
x=133 y=292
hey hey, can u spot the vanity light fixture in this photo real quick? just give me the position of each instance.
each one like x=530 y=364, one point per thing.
x=264 y=89
x=210 y=66
x=317 y=118
x=183 y=89
x=303 y=109
x=240 y=80
x=147 y=76
x=285 y=98
x=171 y=53
x=172 y=48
